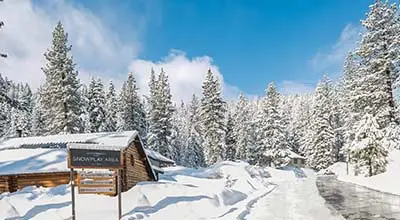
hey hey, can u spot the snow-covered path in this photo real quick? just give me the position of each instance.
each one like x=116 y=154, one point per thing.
x=294 y=198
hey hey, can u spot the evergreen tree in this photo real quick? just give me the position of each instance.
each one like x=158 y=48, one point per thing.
x=212 y=114
x=96 y=105
x=132 y=110
x=322 y=139
x=193 y=155
x=230 y=139
x=241 y=128
x=179 y=133
x=367 y=150
x=84 y=117
x=61 y=89
x=160 y=125
x=111 y=108
x=379 y=52
x=38 y=120
x=273 y=131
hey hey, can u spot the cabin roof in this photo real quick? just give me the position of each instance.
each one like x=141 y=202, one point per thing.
x=40 y=160
x=294 y=155
x=157 y=156
x=114 y=139
x=44 y=154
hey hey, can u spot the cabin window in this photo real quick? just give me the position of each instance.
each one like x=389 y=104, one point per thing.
x=132 y=160
x=295 y=160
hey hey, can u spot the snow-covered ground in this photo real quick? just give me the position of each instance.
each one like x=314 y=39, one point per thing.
x=226 y=190
x=388 y=181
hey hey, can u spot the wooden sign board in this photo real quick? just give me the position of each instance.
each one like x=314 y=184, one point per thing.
x=94 y=158
x=97 y=183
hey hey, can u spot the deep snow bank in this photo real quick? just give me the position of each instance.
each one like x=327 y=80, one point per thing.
x=385 y=182
x=223 y=191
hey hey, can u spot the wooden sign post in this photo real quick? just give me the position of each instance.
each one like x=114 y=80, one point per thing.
x=93 y=182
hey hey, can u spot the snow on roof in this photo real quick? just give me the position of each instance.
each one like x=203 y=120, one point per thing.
x=157 y=156
x=95 y=146
x=33 y=161
x=294 y=155
x=121 y=139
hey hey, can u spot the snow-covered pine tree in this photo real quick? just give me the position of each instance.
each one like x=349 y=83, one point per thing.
x=230 y=139
x=5 y=109
x=212 y=115
x=38 y=120
x=61 y=89
x=322 y=139
x=111 y=108
x=379 y=52
x=84 y=117
x=153 y=114
x=161 y=110
x=96 y=105
x=241 y=128
x=25 y=116
x=253 y=149
x=193 y=155
x=276 y=147
x=367 y=150
x=179 y=133
x=337 y=120
x=131 y=107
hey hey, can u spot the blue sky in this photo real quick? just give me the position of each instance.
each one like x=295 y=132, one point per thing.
x=251 y=43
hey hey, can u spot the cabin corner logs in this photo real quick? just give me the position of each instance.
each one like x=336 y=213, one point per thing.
x=135 y=168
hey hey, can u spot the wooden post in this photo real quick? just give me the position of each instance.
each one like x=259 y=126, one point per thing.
x=72 y=192
x=119 y=194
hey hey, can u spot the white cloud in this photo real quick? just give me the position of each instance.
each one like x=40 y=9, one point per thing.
x=186 y=75
x=332 y=60
x=28 y=32
x=97 y=50
x=292 y=88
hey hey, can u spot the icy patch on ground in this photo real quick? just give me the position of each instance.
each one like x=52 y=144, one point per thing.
x=385 y=182
x=296 y=197
x=224 y=191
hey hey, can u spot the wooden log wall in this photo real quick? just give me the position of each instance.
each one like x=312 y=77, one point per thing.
x=134 y=171
x=12 y=183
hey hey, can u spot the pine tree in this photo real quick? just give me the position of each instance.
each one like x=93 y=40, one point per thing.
x=61 y=89
x=111 y=108
x=25 y=115
x=38 y=120
x=132 y=111
x=96 y=105
x=179 y=133
x=230 y=139
x=322 y=139
x=241 y=128
x=161 y=110
x=193 y=155
x=379 y=51
x=212 y=114
x=84 y=117
x=273 y=131
x=367 y=150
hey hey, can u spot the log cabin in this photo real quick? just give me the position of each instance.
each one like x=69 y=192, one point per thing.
x=42 y=161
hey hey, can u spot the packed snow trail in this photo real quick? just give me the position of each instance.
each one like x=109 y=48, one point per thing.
x=295 y=197
x=358 y=202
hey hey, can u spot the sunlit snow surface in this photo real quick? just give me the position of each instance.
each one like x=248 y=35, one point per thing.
x=226 y=190
x=388 y=181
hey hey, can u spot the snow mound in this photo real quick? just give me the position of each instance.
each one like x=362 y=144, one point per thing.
x=223 y=191
x=385 y=182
